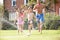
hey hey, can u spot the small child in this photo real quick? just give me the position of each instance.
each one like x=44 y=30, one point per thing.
x=30 y=19
x=20 y=20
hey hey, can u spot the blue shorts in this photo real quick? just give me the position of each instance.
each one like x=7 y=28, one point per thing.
x=40 y=18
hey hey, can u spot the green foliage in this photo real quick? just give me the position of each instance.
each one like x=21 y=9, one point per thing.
x=31 y=2
x=6 y=14
x=26 y=25
x=52 y=21
x=58 y=27
x=55 y=1
x=7 y=26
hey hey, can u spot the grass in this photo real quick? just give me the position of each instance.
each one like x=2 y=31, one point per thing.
x=35 y=35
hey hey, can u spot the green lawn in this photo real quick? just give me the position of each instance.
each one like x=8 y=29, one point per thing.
x=35 y=35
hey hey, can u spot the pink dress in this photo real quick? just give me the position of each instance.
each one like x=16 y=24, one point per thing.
x=20 y=19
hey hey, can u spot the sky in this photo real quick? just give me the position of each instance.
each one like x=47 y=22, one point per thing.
x=1 y=1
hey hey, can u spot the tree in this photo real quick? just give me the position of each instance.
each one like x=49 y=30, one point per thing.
x=31 y=2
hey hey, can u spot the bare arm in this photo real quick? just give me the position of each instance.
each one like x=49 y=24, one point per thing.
x=35 y=7
x=44 y=8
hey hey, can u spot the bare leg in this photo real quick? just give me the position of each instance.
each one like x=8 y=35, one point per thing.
x=29 y=27
x=18 y=28
x=32 y=27
x=38 y=26
x=22 y=28
x=41 y=24
x=18 y=31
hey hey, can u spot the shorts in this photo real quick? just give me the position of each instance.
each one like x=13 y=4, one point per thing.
x=30 y=22
x=20 y=22
x=40 y=18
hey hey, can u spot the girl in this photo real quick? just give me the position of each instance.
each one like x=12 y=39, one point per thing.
x=30 y=19
x=20 y=20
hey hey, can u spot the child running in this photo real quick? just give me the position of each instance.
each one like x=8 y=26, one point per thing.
x=30 y=19
x=20 y=20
